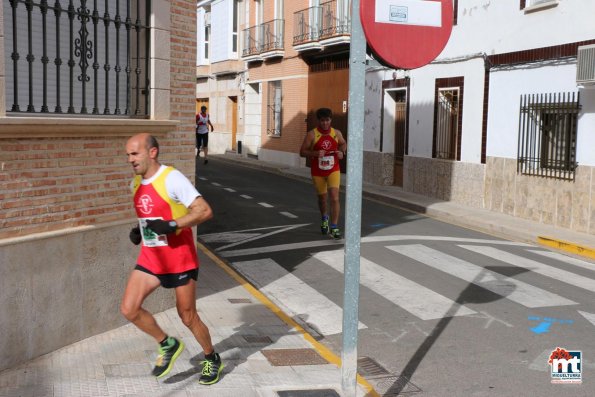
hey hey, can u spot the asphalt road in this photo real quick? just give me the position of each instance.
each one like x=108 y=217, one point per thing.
x=443 y=310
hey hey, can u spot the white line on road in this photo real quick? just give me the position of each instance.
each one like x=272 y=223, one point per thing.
x=565 y=258
x=375 y=239
x=427 y=304
x=202 y=178
x=278 y=229
x=229 y=189
x=246 y=196
x=288 y=291
x=515 y=290
x=536 y=267
x=288 y=214
x=215 y=184
x=266 y=205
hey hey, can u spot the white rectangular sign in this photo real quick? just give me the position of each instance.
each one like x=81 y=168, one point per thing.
x=409 y=12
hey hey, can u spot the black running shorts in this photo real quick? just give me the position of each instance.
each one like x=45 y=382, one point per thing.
x=202 y=140
x=172 y=280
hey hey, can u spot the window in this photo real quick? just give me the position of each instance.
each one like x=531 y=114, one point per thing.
x=547 y=135
x=446 y=142
x=77 y=57
x=207 y=37
x=234 y=35
x=274 y=108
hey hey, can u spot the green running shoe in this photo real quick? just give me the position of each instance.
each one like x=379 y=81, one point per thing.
x=167 y=356
x=336 y=233
x=324 y=225
x=211 y=370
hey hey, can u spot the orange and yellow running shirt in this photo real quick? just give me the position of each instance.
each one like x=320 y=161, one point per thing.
x=327 y=141
x=166 y=196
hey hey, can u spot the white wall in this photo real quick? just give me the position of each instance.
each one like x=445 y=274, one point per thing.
x=506 y=88
x=492 y=26
x=585 y=155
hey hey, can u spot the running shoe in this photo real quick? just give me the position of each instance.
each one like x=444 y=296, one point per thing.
x=167 y=356
x=211 y=370
x=336 y=233
x=324 y=225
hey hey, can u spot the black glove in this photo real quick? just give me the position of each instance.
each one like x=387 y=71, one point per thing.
x=160 y=226
x=135 y=236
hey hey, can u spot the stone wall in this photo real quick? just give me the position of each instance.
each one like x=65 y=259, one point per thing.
x=567 y=204
x=378 y=168
x=445 y=180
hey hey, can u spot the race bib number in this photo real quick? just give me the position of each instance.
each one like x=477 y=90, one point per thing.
x=326 y=163
x=150 y=238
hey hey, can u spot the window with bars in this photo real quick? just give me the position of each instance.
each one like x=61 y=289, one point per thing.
x=274 y=108
x=447 y=121
x=547 y=135
x=77 y=57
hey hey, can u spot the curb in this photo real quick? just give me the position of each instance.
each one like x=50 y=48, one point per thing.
x=567 y=246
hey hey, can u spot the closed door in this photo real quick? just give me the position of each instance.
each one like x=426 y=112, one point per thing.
x=400 y=129
x=234 y=121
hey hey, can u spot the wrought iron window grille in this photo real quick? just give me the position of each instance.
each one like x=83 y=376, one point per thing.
x=547 y=135
x=101 y=50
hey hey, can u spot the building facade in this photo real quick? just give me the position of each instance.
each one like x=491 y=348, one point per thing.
x=286 y=60
x=500 y=120
x=76 y=80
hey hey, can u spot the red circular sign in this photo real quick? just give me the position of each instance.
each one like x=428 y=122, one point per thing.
x=407 y=34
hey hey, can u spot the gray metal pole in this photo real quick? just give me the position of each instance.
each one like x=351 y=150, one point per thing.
x=353 y=207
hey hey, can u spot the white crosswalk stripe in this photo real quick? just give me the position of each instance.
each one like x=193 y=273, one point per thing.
x=565 y=258
x=410 y=296
x=514 y=290
x=536 y=267
x=288 y=291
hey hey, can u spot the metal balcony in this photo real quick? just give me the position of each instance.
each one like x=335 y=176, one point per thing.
x=307 y=28
x=264 y=41
x=272 y=38
x=252 y=45
x=335 y=22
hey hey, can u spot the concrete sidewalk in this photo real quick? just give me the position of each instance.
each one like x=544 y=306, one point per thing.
x=497 y=224
x=265 y=353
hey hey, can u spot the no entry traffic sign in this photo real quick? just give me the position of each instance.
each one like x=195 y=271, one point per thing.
x=407 y=34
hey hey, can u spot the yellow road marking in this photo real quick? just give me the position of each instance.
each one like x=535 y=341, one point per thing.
x=567 y=246
x=324 y=352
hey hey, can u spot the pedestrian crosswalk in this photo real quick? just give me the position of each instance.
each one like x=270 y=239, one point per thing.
x=302 y=301
x=414 y=296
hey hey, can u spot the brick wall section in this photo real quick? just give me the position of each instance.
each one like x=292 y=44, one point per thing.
x=294 y=88
x=56 y=183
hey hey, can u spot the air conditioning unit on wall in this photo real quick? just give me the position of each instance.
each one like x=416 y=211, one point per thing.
x=585 y=65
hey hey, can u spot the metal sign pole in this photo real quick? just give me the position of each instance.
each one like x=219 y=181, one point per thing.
x=353 y=207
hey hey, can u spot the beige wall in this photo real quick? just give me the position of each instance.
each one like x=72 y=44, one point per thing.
x=567 y=204
x=65 y=204
x=445 y=180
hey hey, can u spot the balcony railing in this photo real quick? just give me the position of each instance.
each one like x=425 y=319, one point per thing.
x=323 y=25
x=272 y=35
x=252 y=44
x=264 y=40
x=336 y=19
x=307 y=25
